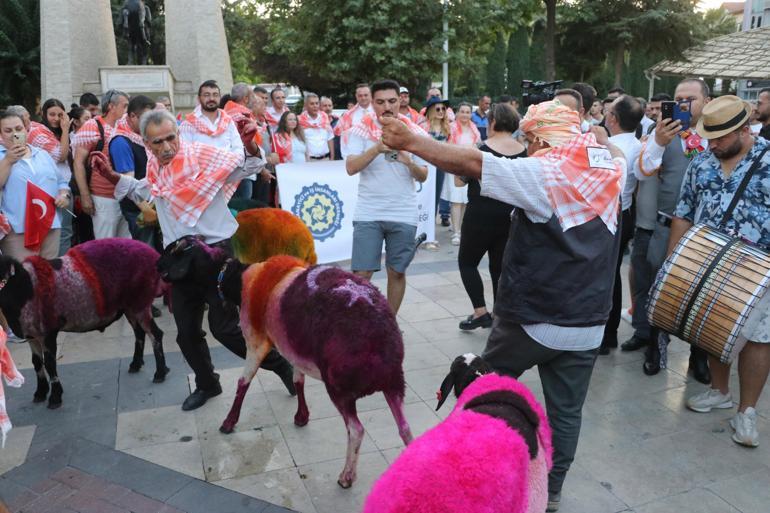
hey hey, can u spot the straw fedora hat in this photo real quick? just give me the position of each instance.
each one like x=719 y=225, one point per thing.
x=722 y=116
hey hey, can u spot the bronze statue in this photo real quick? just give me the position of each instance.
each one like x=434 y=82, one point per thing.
x=135 y=20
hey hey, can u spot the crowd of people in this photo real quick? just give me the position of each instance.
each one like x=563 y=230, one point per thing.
x=553 y=197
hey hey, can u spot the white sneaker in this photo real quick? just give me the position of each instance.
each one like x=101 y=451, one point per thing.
x=626 y=315
x=455 y=240
x=745 y=426
x=12 y=337
x=706 y=401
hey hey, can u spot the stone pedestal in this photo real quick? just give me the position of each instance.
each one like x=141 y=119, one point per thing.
x=152 y=81
x=76 y=40
x=196 y=45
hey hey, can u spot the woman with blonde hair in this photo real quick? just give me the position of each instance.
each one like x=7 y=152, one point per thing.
x=463 y=132
x=437 y=125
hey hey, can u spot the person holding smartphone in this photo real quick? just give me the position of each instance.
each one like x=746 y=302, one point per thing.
x=387 y=199
x=21 y=163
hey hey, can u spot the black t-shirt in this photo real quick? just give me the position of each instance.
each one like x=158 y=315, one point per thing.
x=765 y=132
x=481 y=210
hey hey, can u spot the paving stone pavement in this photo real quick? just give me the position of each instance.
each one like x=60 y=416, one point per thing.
x=121 y=443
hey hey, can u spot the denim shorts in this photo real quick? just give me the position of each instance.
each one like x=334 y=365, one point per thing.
x=367 y=245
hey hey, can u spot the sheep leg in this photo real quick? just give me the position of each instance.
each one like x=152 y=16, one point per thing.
x=156 y=337
x=396 y=403
x=49 y=359
x=347 y=407
x=254 y=357
x=41 y=394
x=303 y=414
x=139 y=336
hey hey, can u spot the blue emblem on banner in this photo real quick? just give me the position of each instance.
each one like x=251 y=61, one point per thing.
x=320 y=208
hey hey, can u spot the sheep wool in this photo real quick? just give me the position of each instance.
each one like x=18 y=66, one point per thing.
x=470 y=462
x=264 y=232
x=12 y=377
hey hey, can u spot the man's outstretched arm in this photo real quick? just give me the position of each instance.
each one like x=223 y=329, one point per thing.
x=447 y=157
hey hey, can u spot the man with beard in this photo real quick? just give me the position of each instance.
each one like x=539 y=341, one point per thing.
x=190 y=184
x=763 y=112
x=711 y=181
x=387 y=199
x=208 y=124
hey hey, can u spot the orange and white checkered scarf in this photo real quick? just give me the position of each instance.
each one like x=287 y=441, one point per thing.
x=238 y=112
x=40 y=136
x=125 y=130
x=581 y=178
x=88 y=135
x=462 y=136
x=193 y=122
x=321 y=121
x=5 y=226
x=370 y=128
x=346 y=120
x=415 y=116
x=12 y=377
x=190 y=182
x=282 y=146
x=272 y=116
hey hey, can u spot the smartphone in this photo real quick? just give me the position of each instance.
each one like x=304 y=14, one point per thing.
x=677 y=111
x=391 y=156
x=20 y=138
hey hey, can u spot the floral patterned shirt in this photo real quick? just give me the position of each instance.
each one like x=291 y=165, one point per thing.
x=706 y=194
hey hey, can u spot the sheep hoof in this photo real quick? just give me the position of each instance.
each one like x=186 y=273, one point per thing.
x=345 y=483
x=135 y=367
x=300 y=421
x=160 y=377
x=226 y=428
x=52 y=405
x=39 y=398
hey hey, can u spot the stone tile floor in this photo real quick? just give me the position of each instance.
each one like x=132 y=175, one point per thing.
x=640 y=450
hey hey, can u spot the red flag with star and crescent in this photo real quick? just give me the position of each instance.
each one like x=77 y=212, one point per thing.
x=38 y=217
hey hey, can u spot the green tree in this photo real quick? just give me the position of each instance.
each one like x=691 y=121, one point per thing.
x=20 y=52
x=550 y=39
x=496 y=68
x=517 y=60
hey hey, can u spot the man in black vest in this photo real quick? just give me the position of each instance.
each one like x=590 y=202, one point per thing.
x=555 y=290
x=128 y=155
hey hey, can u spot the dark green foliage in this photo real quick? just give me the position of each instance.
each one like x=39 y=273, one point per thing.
x=20 y=53
x=496 y=73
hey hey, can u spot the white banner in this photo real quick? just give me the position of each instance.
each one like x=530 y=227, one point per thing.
x=324 y=196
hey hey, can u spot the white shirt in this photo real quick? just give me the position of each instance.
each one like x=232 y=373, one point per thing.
x=215 y=224
x=275 y=114
x=646 y=123
x=317 y=140
x=386 y=189
x=519 y=182
x=229 y=140
x=652 y=157
x=631 y=148
x=298 y=150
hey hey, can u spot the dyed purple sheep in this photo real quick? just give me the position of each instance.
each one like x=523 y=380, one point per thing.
x=331 y=325
x=87 y=289
x=474 y=461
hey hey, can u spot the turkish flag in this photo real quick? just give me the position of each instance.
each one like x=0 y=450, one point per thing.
x=38 y=217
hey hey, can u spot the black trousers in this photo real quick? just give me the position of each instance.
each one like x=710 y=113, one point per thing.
x=476 y=241
x=626 y=234
x=188 y=303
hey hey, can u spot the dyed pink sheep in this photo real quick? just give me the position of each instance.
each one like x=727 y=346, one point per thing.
x=470 y=463
x=90 y=287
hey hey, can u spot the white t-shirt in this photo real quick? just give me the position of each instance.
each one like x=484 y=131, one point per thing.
x=386 y=190
x=298 y=150
x=631 y=147
x=317 y=140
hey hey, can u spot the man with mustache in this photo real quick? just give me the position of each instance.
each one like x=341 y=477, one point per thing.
x=190 y=184
x=387 y=199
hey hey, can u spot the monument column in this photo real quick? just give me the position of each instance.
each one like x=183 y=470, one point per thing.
x=196 y=44
x=76 y=39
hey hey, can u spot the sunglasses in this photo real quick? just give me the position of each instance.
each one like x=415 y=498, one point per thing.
x=440 y=109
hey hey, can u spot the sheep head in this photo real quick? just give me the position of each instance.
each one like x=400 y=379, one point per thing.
x=230 y=281
x=190 y=260
x=464 y=370
x=15 y=291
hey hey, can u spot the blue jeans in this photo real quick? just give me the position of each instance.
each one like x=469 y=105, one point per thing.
x=441 y=204
x=65 y=242
x=244 y=189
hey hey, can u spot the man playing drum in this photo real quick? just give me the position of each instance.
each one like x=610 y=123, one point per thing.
x=707 y=190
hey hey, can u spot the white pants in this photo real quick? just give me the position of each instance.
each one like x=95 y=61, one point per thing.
x=108 y=220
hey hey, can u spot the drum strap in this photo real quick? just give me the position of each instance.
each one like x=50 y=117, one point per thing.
x=742 y=187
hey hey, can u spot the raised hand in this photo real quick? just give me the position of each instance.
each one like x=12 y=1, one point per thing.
x=101 y=164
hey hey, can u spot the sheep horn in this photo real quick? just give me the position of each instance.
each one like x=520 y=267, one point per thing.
x=446 y=389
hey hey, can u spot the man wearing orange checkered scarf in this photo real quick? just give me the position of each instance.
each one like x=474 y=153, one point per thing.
x=191 y=184
x=555 y=290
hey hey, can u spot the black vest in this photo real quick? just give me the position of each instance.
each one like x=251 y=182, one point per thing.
x=140 y=171
x=557 y=277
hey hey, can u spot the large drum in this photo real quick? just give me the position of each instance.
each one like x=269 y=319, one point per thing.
x=706 y=290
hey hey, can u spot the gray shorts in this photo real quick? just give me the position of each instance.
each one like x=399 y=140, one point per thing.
x=367 y=245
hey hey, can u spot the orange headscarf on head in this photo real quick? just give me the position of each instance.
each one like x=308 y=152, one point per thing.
x=581 y=178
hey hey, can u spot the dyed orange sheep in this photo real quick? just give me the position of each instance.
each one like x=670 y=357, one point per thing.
x=266 y=232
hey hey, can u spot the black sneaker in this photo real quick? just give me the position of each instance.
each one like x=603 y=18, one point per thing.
x=199 y=397
x=471 y=323
x=444 y=221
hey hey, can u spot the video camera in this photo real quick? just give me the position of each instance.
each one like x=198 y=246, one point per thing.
x=538 y=92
